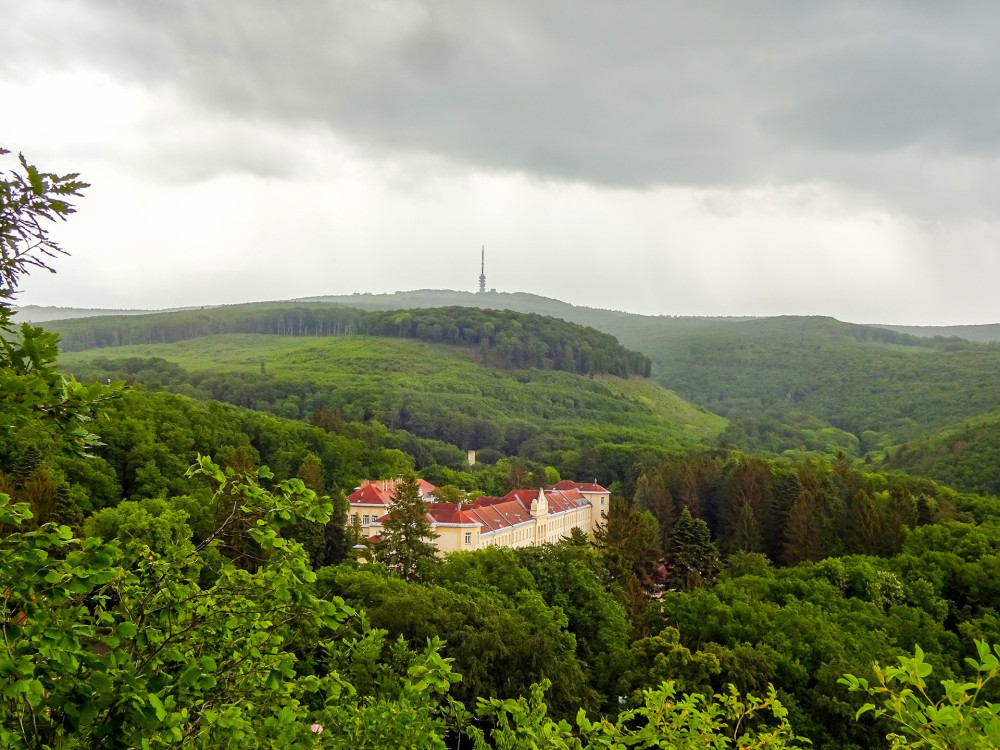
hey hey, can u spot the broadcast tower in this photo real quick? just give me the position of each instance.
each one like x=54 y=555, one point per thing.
x=482 y=272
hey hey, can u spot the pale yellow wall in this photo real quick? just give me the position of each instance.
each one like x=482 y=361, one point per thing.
x=547 y=529
x=562 y=525
x=519 y=536
x=372 y=513
x=452 y=539
x=598 y=506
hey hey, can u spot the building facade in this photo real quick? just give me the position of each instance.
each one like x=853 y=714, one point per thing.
x=521 y=518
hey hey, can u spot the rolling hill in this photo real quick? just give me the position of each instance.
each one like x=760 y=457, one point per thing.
x=883 y=385
x=966 y=456
x=433 y=390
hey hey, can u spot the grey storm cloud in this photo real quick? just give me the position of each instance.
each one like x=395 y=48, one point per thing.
x=895 y=99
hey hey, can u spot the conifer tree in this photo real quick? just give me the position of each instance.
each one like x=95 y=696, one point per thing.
x=311 y=474
x=407 y=536
x=867 y=527
x=630 y=541
x=65 y=509
x=804 y=531
x=747 y=497
x=653 y=494
x=29 y=459
x=692 y=558
x=746 y=534
x=39 y=492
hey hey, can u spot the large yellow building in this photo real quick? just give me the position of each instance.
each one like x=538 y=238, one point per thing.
x=521 y=518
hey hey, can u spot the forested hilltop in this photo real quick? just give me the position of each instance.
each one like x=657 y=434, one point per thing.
x=504 y=338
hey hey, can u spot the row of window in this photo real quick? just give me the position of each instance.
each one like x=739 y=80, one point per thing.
x=519 y=535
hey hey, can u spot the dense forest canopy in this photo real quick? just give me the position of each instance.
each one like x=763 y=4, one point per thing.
x=596 y=427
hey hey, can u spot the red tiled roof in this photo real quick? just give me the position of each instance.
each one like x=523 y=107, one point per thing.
x=438 y=513
x=522 y=496
x=504 y=512
x=561 y=501
x=426 y=488
x=369 y=495
x=451 y=513
x=569 y=484
x=380 y=491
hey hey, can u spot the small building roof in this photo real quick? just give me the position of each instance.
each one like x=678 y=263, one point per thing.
x=380 y=491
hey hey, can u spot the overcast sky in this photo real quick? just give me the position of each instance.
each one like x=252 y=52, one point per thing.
x=723 y=158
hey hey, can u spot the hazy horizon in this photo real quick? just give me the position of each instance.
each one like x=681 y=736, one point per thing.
x=140 y=310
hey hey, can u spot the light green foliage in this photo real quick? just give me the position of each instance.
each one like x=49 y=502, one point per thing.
x=965 y=456
x=500 y=644
x=954 y=717
x=32 y=392
x=389 y=463
x=155 y=526
x=664 y=720
x=573 y=578
x=95 y=653
x=662 y=658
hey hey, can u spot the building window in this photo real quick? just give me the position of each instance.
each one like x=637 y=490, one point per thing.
x=468 y=537
x=365 y=520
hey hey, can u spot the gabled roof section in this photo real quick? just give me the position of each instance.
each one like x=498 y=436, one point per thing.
x=561 y=501
x=522 y=496
x=569 y=484
x=369 y=495
x=380 y=491
x=505 y=511
x=452 y=513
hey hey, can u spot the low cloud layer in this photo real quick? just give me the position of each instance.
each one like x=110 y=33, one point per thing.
x=854 y=112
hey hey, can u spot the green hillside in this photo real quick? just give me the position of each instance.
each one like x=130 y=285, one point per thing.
x=504 y=338
x=966 y=456
x=432 y=390
x=984 y=333
x=882 y=386
x=857 y=378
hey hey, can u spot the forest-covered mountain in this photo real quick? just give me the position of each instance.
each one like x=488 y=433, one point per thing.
x=984 y=332
x=47 y=313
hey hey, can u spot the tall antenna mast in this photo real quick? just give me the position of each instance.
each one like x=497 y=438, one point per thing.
x=482 y=272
